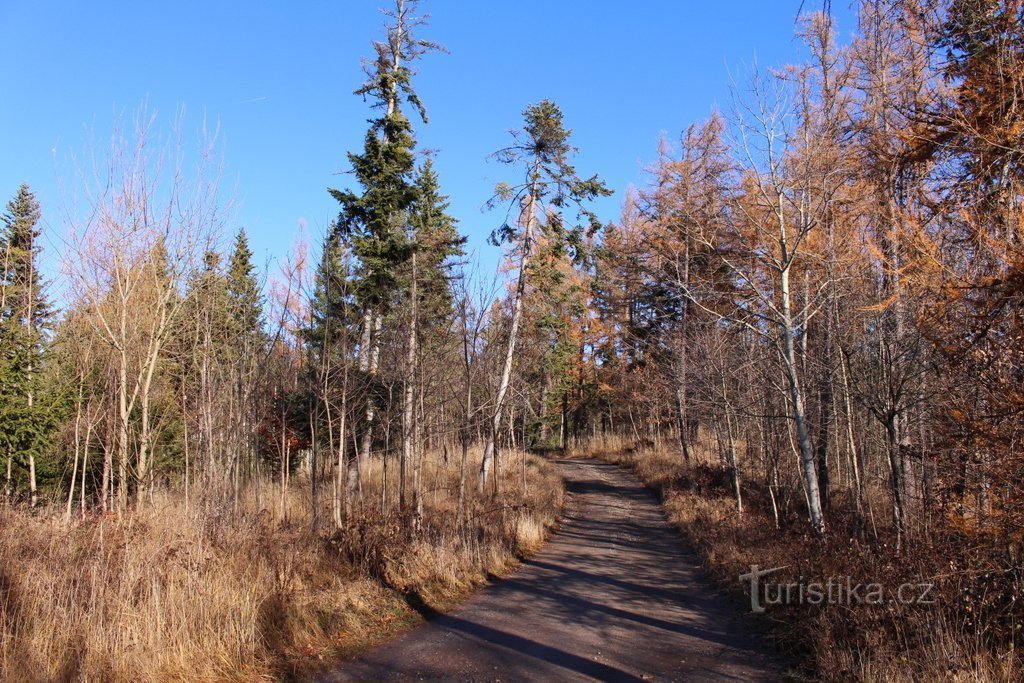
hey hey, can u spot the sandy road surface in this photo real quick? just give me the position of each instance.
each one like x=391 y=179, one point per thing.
x=613 y=596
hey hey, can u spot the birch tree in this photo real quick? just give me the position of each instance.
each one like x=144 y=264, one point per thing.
x=147 y=219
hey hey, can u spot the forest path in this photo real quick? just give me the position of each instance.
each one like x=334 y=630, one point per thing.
x=613 y=596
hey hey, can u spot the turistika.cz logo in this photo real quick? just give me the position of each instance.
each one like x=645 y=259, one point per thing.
x=835 y=591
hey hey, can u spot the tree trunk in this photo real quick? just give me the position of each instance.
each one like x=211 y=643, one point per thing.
x=684 y=442
x=807 y=459
x=824 y=434
x=733 y=464
x=78 y=449
x=896 y=482
x=122 y=436
x=489 y=462
x=418 y=447
x=85 y=465
x=371 y=364
x=409 y=392
x=341 y=490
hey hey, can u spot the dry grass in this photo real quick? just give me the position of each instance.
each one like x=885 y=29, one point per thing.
x=891 y=643
x=169 y=593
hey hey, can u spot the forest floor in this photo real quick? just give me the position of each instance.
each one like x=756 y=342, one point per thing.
x=614 y=595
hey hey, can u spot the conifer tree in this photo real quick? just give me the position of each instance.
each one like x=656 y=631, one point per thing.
x=25 y=318
x=328 y=342
x=223 y=322
x=550 y=185
x=437 y=243
x=374 y=220
x=434 y=240
x=208 y=325
x=245 y=302
x=245 y=299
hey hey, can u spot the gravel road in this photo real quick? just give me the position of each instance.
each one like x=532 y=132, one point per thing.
x=613 y=596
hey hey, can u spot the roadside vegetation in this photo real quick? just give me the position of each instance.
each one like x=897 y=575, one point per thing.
x=963 y=630
x=203 y=591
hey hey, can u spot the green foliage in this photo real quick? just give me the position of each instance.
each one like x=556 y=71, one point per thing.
x=552 y=245
x=437 y=243
x=208 y=320
x=374 y=220
x=30 y=405
x=245 y=302
x=980 y=30
x=332 y=308
x=224 y=308
x=544 y=150
x=389 y=77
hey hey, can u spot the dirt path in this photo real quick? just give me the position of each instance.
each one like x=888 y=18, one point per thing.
x=613 y=596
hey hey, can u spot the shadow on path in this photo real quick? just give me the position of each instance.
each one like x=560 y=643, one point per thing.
x=613 y=596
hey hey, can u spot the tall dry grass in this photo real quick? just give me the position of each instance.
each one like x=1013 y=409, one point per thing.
x=210 y=592
x=892 y=643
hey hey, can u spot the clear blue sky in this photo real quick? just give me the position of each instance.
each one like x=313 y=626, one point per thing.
x=278 y=78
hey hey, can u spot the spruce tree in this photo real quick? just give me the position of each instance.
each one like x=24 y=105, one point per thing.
x=434 y=240
x=437 y=242
x=220 y=344
x=245 y=343
x=201 y=348
x=244 y=298
x=374 y=221
x=25 y=321
x=328 y=340
x=332 y=300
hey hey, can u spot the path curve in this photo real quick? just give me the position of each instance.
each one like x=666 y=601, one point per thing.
x=613 y=596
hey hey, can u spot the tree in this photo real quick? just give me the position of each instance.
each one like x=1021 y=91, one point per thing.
x=328 y=341
x=891 y=62
x=434 y=241
x=148 y=220
x=548 y=187
x=776 y=215
x=244 y=296
x=25 y=320
x=374 y=221
x=971 y=135
x=678 y=272
x=249 y=342
x=436 y=244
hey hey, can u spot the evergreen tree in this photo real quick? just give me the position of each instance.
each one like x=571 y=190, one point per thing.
x=374 y=221
x=434 y=239
x=550 y=186
x=328 y=341
x=332 y=302
x=25 y=321
x=244 y=298
x=222 y=343
x=249 y=346
x=437 y=243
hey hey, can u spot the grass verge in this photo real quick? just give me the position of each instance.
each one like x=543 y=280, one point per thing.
x=210 y=591
x=965 y=633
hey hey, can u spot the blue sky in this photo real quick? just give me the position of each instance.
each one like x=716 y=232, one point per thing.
x=278 y=79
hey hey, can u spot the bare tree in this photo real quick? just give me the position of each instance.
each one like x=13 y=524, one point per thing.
x=147 y=220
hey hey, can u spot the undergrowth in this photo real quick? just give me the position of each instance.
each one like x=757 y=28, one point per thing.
x=209 y=591
x=968 y=631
